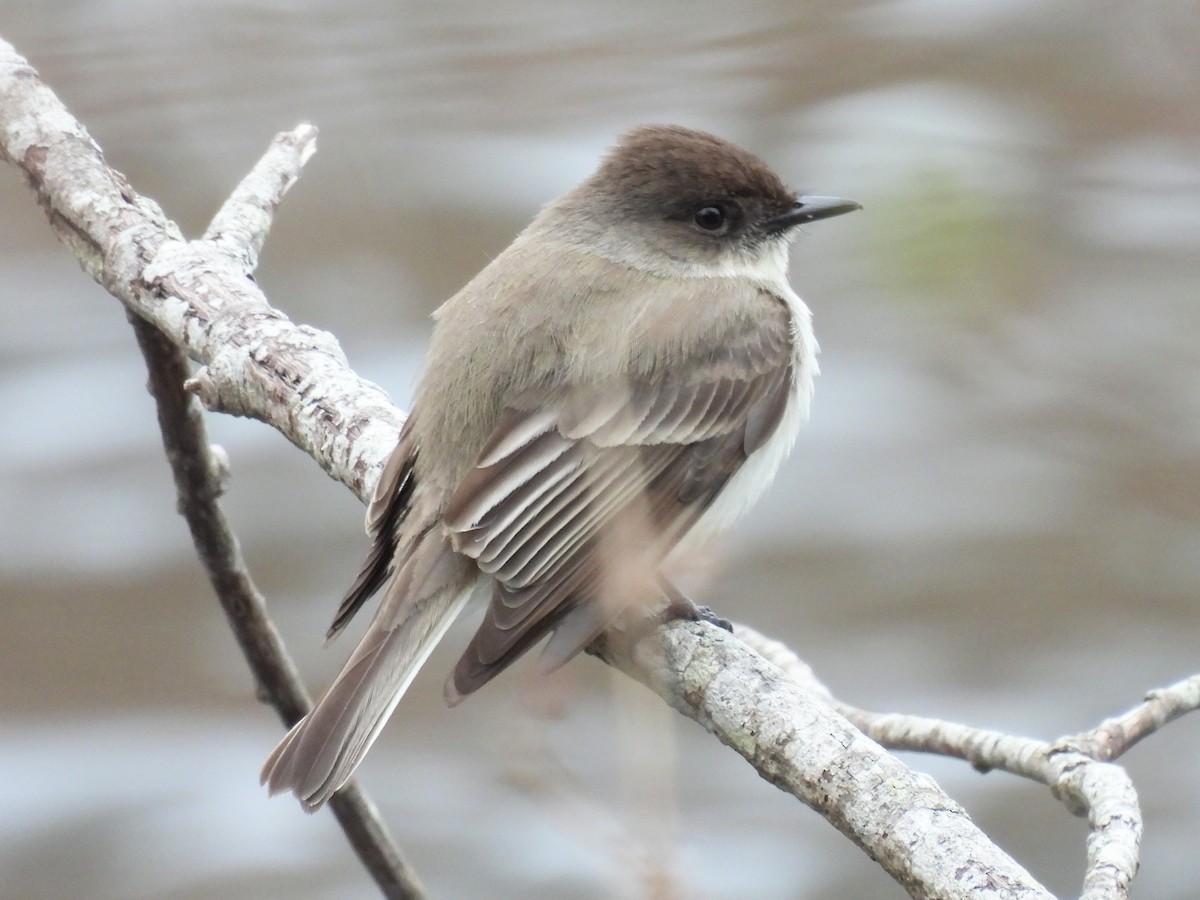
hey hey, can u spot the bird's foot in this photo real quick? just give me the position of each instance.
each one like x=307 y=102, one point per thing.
x=680 y=606
x=693 y=612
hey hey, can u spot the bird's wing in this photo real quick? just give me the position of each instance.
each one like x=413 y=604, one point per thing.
x=580 y=494
x=389 y=507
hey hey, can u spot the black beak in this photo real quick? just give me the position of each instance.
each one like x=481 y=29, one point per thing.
x=809 y=209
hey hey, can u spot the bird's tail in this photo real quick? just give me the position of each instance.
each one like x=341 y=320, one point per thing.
x=324 y=748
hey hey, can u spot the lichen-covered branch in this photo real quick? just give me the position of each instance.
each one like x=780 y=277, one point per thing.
x=255 y=362
x=798 y=742
x=1113 y=737
x=115 y=233
x=1082 y=780
x=199 y=473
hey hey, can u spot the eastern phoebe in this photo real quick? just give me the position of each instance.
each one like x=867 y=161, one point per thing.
x=620 y=383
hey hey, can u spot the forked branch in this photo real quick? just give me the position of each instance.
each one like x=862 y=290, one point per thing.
x=195 y=299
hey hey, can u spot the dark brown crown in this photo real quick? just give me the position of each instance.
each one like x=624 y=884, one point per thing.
x=661 y=168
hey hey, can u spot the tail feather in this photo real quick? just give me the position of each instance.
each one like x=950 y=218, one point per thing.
x=323 y=749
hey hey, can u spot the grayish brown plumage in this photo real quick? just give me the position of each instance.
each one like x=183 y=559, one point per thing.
x=624 y=379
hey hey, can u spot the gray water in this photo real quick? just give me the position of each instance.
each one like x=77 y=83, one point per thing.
x=993 y=516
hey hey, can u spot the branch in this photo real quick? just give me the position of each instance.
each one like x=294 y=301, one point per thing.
x=255 y=362
x=1112 y=737
x=799 y=743
x=1078 y=777
x=199 y=473
x=66 y=170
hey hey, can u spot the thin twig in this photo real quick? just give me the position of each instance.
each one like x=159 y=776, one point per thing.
x=241 y=224
x=254 y=361
x=198 y=473
x=115 y=233
x=1113 y=737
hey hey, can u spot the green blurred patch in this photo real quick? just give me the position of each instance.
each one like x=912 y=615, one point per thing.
x=942 y=243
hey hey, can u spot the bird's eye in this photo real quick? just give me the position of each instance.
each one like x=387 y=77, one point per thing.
x=711 y=219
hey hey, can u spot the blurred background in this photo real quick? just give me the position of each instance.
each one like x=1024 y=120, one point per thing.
x=994 y=515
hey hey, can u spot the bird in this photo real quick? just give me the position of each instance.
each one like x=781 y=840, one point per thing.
x=609 y=393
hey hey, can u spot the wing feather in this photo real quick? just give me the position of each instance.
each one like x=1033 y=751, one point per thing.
x=604 y=477
x=388 y=509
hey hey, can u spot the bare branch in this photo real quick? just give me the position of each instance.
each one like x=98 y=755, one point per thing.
x=1112 y=737
x=241 y=224
x=198 y=473
x=114 y=233
x=799 y=743
x=1086 y=785
x=257 y=363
